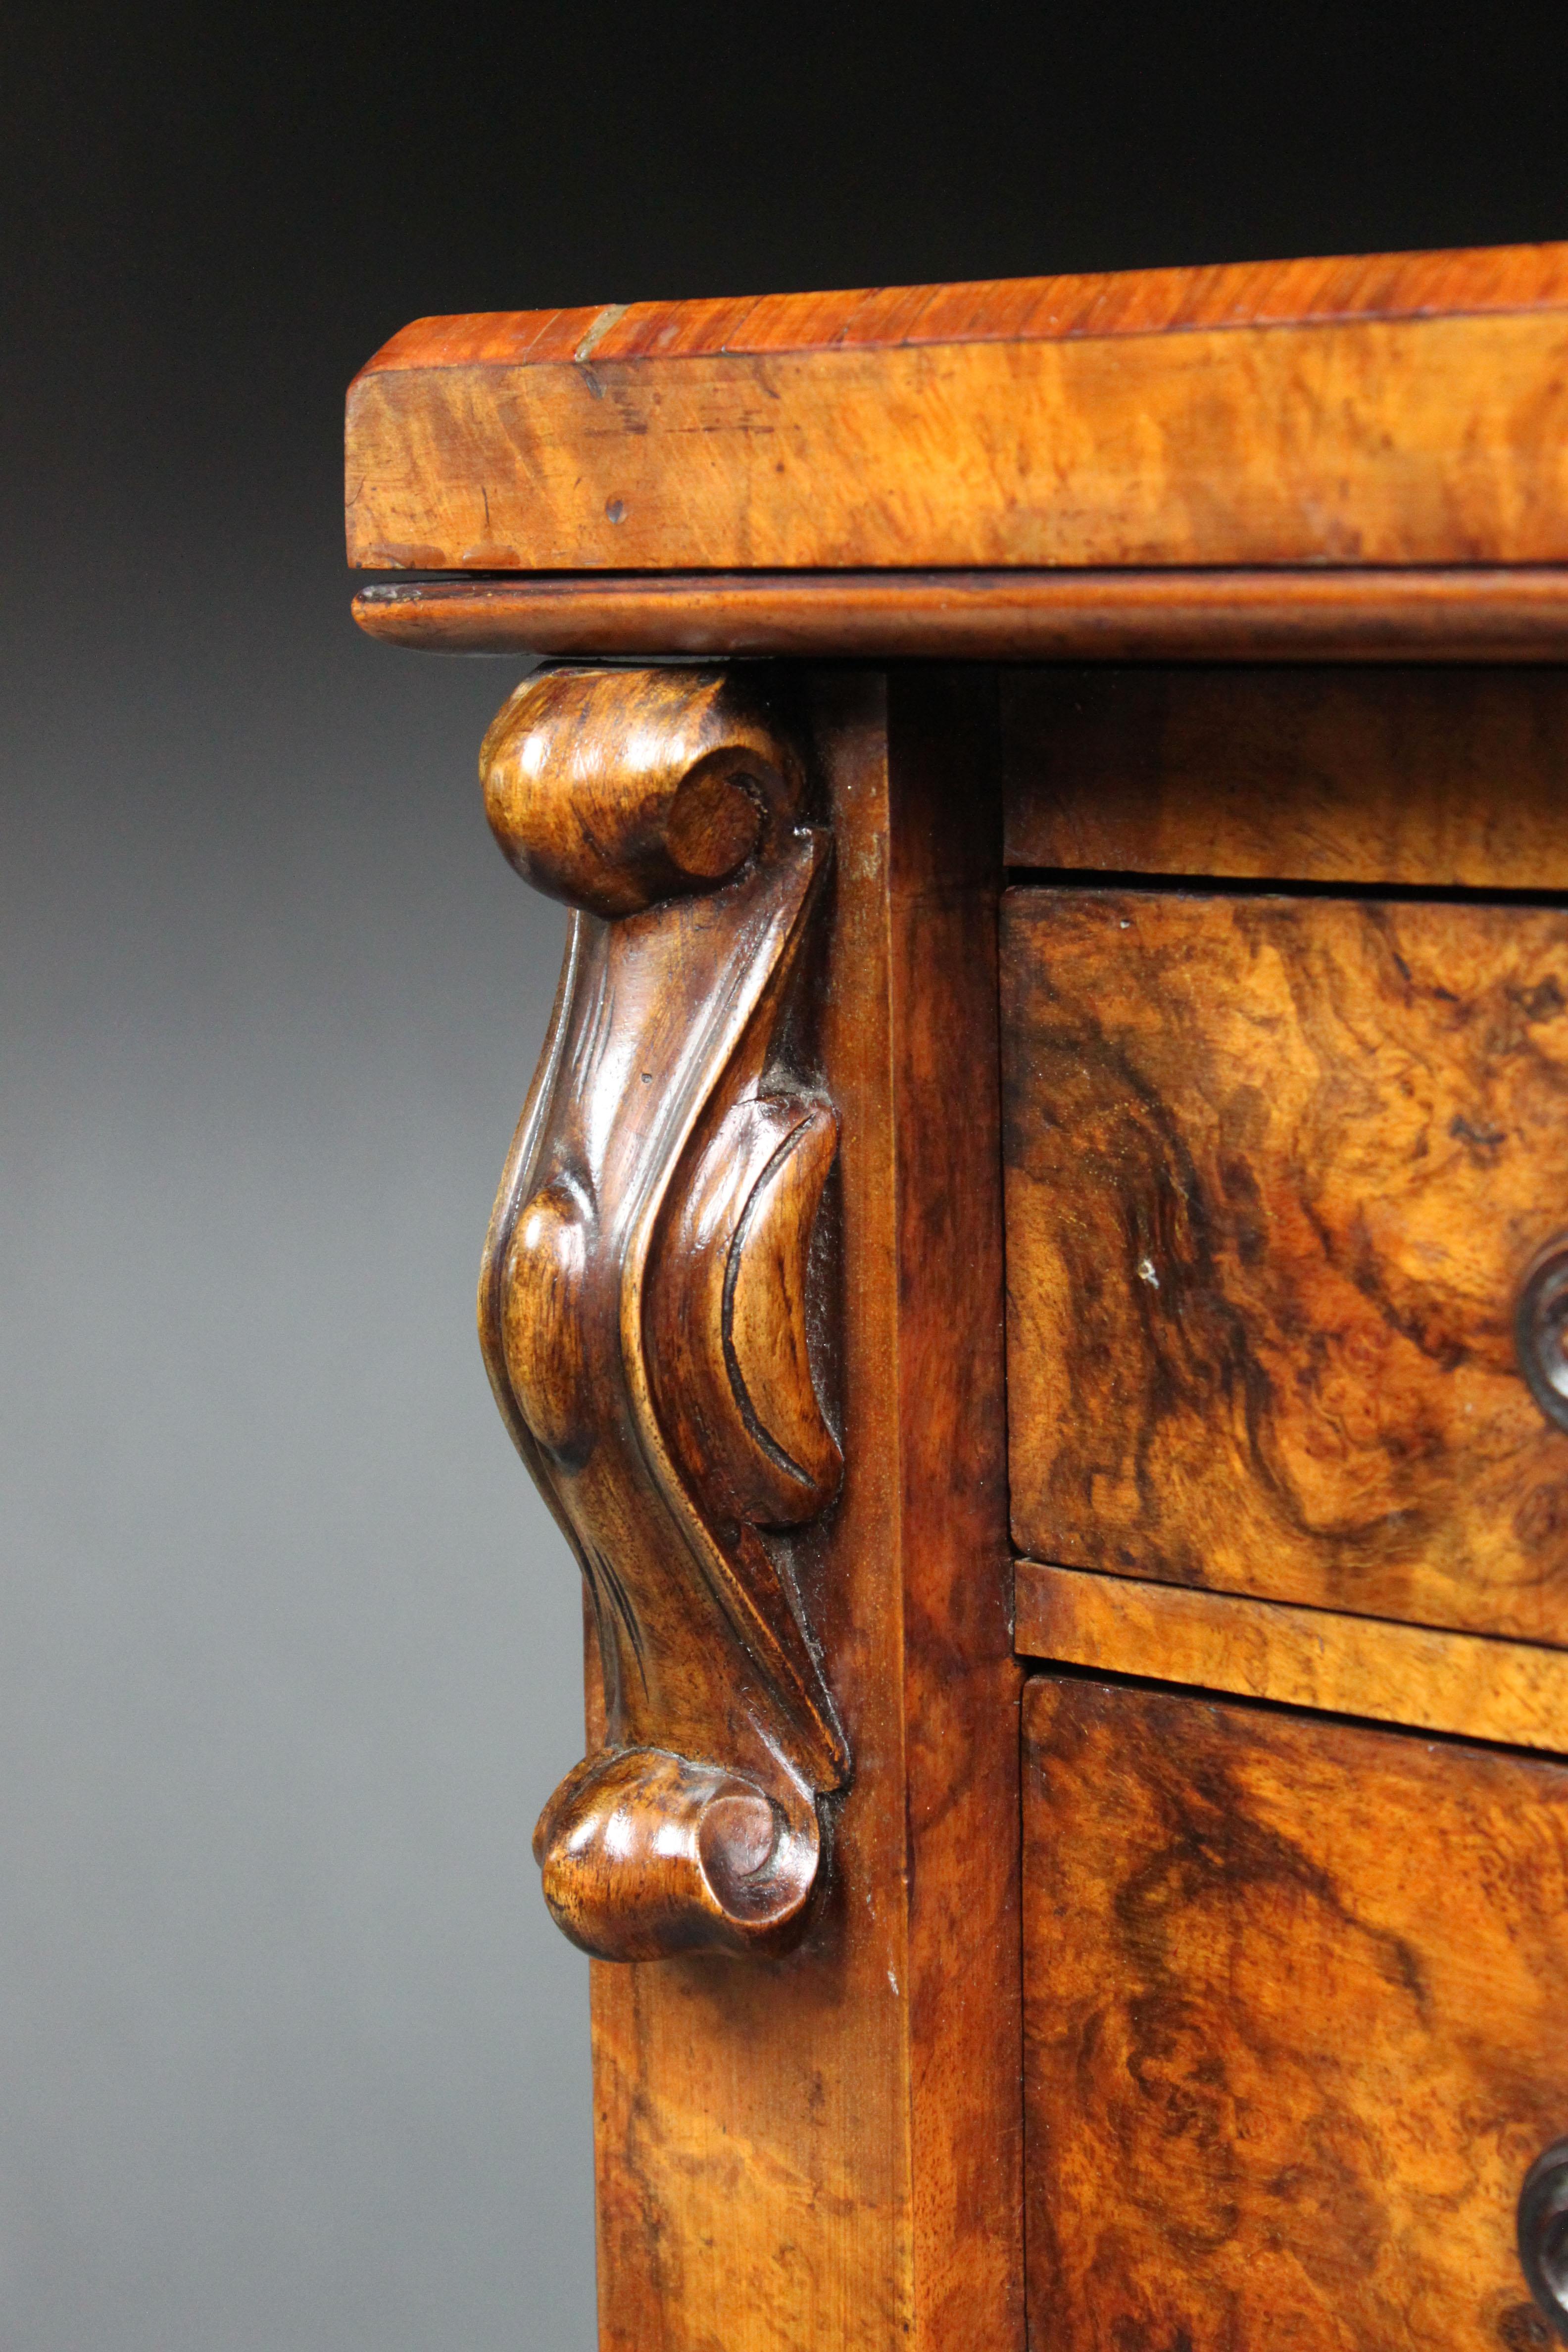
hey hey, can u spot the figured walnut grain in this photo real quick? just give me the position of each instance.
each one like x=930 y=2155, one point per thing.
x=1386 y=410
x=1294 y=2026
x=1276 y=1168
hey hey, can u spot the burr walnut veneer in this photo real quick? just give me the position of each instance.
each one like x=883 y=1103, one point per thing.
x=1034 y=1278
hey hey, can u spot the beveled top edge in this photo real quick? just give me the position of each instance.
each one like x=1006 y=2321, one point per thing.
x=1306 y=292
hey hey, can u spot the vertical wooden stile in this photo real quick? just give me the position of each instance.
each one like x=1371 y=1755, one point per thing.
x=823 y=2151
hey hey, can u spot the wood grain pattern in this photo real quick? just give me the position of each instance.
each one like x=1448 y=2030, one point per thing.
x=643 y=1304
x=1408 y=776
x=825 y=2149
x=1422 y=427
x=1274 y=1170
x=1310 y=291
x=1363 y=615
x=1295 y=2029
x=1513 y=1693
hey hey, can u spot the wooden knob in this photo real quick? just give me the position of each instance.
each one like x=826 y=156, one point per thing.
x=1541 y=1329
x=1543 y=2233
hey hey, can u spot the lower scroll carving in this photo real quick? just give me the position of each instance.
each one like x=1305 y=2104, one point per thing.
x=643 y=1298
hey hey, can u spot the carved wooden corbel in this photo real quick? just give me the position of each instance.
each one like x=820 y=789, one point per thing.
x=643 y=1303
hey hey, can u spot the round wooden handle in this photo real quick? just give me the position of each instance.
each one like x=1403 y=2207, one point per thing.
x=1540 y=1328
x=1543 y=2233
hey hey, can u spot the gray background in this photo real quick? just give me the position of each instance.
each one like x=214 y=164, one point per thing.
x=288 y=1651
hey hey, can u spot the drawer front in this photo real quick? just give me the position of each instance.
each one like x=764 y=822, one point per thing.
x=1428 y=776
x=1295 y=2027
x=1277 y=1170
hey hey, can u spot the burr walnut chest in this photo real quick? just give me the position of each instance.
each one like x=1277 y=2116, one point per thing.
x=1034 y=1279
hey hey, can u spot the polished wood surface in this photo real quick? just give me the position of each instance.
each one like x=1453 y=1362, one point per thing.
x=823 y=2149
x=643 y=1300
x=1276 y=1168
x=1374 y=617
x=1412 y=776
x=1389 y=410
x=1294 y=2026
x=1244 y=590
x=1512 y=1693
x=1310 y=291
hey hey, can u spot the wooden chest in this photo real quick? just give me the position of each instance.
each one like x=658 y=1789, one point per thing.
x=1034 y=1276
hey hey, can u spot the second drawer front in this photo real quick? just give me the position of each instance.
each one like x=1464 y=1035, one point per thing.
x=1277 y=1170
x=1295 y=2032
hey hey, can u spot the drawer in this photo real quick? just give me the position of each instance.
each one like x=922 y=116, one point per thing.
x=1428 y=776
x=1277 y=1171
x=1294 y=2027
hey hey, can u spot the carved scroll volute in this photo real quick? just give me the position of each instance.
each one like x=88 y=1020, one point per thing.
x=643 y=1300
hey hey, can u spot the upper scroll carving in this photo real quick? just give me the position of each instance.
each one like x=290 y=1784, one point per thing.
x=643 y=1300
